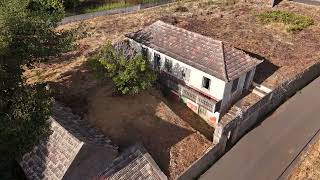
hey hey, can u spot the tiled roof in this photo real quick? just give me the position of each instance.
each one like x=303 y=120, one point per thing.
x=135 y=163
x=201 y=52
x=51 y=158
x=72 y=137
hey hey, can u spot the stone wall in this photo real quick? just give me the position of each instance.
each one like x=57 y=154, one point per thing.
x=247 y=118
x=130 y=9
x=228 y=133
x=203 y=163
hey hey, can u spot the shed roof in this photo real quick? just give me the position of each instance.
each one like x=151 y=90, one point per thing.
x=201 y=52
x=134 y=163
x=73 y=146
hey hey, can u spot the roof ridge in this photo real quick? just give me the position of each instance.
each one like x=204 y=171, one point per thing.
x=185 y=30
x=224 y=62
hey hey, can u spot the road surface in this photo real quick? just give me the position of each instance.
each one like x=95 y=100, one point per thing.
x=268 y=150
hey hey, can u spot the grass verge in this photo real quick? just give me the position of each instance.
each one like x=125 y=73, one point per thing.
x=293 y=22
x=106 y=7
x=96 y=6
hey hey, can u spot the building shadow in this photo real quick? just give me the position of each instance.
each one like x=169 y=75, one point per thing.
x=263 y=70
x=193 y=119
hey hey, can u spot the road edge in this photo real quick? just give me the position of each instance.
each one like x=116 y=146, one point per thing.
x=299 y=158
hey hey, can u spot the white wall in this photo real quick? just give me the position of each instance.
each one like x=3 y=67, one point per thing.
x=229 y=97
x=217 y=86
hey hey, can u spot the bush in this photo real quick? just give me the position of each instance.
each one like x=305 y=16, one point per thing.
x=69 y=4
x=130 y=73
x=292 y=21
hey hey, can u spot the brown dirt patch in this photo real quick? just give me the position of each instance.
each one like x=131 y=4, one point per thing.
x=309 y=167
x=153 y=120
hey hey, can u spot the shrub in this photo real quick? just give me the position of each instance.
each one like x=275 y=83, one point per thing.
x=69 y=4
x=129 y=73
x=181 y=9
x=292 y=21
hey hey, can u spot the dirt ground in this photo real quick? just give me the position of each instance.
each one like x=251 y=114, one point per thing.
x=155 y=119
x=160 y=124
x=309 y=167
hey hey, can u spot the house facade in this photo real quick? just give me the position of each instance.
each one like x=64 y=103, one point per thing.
x=207 y=75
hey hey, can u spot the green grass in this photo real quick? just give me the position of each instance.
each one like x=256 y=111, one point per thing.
x=106 y=7
x=293 y=22
x=95 y=6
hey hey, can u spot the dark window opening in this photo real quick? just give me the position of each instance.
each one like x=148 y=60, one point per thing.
x=234 y=85
x=217 y=106
x=246 y=81
x=168 y=65
x=206 y=83
x=157 y=62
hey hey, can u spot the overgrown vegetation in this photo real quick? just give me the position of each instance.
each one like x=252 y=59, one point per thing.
x=129 y=71
x=27 y=34
x=79 y=7
x=104 y=7
x=293 y=22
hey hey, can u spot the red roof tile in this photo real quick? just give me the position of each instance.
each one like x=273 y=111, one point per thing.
x=201 y=52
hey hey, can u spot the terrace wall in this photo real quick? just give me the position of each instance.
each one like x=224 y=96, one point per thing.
x=129 y=9
x=227 y=133
x=234 y=129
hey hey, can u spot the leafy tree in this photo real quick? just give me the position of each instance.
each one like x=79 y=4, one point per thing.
x=129 y=71
x=27 y=34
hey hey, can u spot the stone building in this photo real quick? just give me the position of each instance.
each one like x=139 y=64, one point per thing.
x=208 y=75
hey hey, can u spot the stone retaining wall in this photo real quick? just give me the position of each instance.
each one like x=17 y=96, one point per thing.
x=241 y=124
x=135 y=8
x=203 y=163
x=228 y=133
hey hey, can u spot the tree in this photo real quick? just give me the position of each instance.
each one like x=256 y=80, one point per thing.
x=130 y=71
x=27 y=34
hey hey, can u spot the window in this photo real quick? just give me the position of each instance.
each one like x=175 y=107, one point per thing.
x=168 y=65
x=157 y=62
x=206 y=83
x=185 y=73
x=234 y=85
x=246 y=81
x=217 y=106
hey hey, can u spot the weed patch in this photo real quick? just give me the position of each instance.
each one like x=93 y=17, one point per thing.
x=293 y=22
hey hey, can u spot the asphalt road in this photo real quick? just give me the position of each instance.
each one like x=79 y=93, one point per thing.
x=266 y=151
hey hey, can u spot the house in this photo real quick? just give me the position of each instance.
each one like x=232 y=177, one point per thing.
x=208 y=75
x=76 y=150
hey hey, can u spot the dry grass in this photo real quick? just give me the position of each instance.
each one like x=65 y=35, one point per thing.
x=309 y=167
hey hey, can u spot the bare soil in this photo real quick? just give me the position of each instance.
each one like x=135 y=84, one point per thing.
x=166 y=129
x=309 y=167
x=160 y=124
